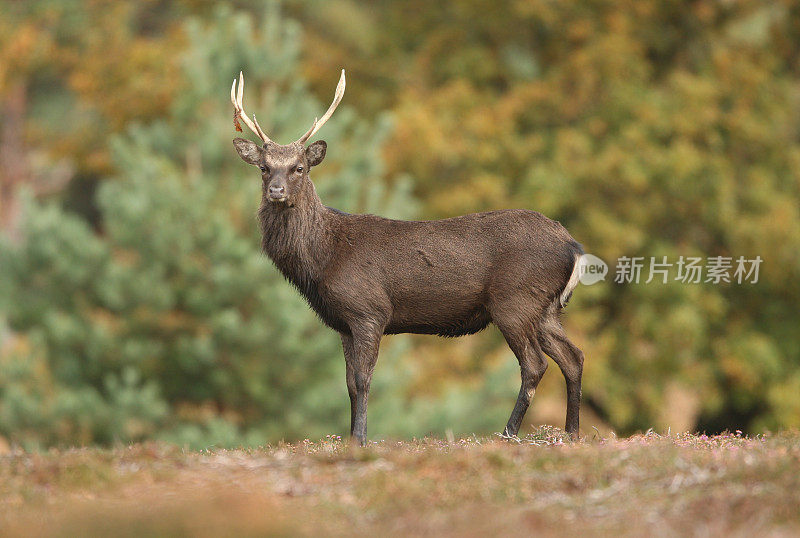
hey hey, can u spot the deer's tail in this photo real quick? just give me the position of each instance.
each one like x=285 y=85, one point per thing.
x=574 y=278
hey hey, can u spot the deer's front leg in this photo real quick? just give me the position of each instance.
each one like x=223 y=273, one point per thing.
x=349 y=363
x=365 y=338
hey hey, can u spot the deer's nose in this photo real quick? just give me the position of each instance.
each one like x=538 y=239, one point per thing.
x=276 y=191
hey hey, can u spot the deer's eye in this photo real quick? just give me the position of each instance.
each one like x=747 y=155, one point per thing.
x=264 y=169
x=299 y=168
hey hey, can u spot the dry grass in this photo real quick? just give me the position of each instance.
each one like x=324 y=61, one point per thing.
x=642 y=485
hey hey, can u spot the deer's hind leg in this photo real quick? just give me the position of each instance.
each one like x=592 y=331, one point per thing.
x=520 y=333
x=553 y=340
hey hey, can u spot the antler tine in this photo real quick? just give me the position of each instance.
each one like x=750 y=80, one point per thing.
x=337 y=98
x=238 y=107
x=260 y=132
x=307 y=135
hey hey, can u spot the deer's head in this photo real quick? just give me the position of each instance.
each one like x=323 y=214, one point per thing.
x=284 y=169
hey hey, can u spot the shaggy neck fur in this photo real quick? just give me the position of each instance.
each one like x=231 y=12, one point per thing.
x=297 y=238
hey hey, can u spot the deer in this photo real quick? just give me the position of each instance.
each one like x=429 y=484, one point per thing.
x=367 y=276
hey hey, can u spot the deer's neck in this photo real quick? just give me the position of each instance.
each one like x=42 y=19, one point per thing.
x=298 y=240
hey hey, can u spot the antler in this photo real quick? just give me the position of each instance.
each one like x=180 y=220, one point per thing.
x=236 y=99
x=337 y=98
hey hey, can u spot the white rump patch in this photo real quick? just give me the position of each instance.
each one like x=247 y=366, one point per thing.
x=573 y=281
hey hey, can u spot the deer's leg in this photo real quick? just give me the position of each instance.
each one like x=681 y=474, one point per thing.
x=349 y=362
x=532 y=363
x=366 y=342
x=569 y=358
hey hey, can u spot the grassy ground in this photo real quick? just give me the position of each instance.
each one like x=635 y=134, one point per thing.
x=642 y=485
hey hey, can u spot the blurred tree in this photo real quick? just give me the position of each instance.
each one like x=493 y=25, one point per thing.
x=648 y=128
x=74 y=73
x=171 y=323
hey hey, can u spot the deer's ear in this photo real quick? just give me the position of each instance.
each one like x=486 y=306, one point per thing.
x=248 y=151
x=316 y=152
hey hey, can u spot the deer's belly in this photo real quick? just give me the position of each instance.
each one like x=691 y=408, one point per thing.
x=436 y=315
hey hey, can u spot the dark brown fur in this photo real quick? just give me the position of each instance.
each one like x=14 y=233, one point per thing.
x=366 y=276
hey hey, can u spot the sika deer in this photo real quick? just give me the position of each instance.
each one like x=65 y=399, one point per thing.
x=366 y=276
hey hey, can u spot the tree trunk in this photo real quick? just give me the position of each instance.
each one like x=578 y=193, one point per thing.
x=13 y=159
